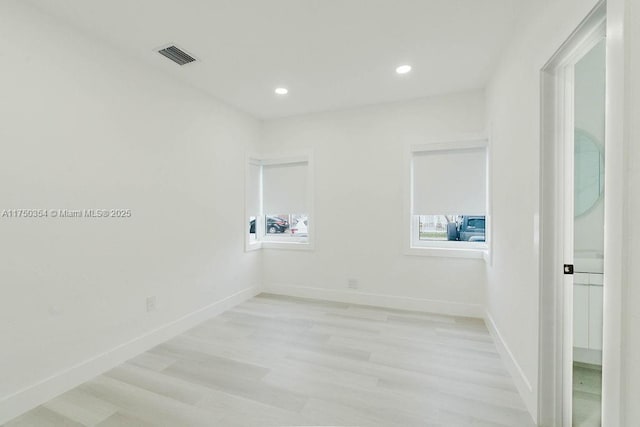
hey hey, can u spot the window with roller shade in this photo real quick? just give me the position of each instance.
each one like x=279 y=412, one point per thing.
x=285 y=195
x=449 y=195
x=278 y=200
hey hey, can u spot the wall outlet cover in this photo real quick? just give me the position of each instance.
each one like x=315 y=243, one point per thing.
x=151 y=304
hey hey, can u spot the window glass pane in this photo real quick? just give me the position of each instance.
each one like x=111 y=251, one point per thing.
x=252 y=228
x=433 y=227
x=276 y=224
x=299 y=225
x=461 y=228
x=286 y=226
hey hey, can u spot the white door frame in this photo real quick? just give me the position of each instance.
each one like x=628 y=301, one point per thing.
x=556 y=288
x=615 y=187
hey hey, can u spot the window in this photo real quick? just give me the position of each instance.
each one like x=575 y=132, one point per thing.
x=253 y=201
x=279 y=211
x=285 y=195
x=287 y=225
x=449 y=196
x=253 y=235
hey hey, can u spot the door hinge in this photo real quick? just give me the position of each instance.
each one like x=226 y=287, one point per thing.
x=568 y=269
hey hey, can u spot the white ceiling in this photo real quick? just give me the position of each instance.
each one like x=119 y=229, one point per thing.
x=330 y=54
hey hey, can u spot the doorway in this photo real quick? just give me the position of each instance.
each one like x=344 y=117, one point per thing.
x=572 y=227
x=589 y=86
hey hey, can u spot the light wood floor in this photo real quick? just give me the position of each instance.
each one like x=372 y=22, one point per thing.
x=279 y=361
x=587 y=395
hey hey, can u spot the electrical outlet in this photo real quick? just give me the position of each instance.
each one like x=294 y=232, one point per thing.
x=55 y=310
x=151 y=304
x=352 y=283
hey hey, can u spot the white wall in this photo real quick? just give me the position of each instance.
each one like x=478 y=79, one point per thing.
x=514 y=116
x=85 y=127
x=360 y=179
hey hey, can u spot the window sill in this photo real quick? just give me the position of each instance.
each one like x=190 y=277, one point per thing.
x=253 y=246
x=471 y=253
x=293 y=246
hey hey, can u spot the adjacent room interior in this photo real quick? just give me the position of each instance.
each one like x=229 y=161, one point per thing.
x=304 y=213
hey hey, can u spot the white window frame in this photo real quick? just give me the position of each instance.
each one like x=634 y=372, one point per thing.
x=251 y=245
x=264 y=241
x=415 y=246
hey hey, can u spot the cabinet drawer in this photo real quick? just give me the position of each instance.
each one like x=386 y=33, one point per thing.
x=581 y=278
x=595 y=317
x=581 y=316
x=596 y=279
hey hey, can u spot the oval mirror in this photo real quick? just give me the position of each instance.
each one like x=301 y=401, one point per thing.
x=588 y=172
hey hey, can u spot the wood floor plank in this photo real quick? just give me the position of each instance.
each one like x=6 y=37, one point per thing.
x=386 y=407
x=152 y=361
x=42 y=417
x=81 y=407
x=250 y=389
x=121 y=420
x=159 y=383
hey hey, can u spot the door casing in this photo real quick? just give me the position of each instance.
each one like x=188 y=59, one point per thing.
x=557 y=216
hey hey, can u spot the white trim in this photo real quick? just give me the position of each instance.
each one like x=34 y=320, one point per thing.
x=488 y=229
x=476 y=253
x=445 y=249
x=523 y=384
x=464 y=143
x=450 y=308
x=587 y=355
x=29 y=397
x=615 y=218
x=450 y=141
x=555 y=355
x=566 y=222
x=279 y=239
x=251 y=245
x=551 y=295
x=288 y=246
x=292 y=159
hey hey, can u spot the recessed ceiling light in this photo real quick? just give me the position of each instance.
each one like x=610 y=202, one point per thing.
x=403 y=69
x=282 y=91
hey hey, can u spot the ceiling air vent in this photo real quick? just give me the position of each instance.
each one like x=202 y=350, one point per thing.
x=176 y=55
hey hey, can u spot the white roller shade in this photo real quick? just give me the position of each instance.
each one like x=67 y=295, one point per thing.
x=447 y=182
x=285 y=188
x=253 y=189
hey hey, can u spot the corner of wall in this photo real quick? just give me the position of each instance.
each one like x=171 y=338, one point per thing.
x=23 y=400
x=449 y=308
x=520 y=379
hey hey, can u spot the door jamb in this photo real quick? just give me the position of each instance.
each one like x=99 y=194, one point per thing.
x=556 y=334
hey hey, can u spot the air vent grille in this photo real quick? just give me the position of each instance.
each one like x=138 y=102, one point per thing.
x=176 y=55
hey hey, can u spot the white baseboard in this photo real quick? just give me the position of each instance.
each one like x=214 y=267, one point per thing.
x=23 y=400
x=522 y=382
x=587 y=355
x=403 y=303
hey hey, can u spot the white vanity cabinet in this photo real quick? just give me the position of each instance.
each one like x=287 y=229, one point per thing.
x=587 y=317
x=595 y=317
x=581 y=315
